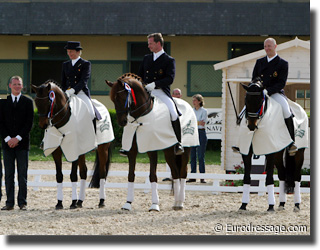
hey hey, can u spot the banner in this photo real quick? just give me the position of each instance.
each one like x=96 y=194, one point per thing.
x=214 y=124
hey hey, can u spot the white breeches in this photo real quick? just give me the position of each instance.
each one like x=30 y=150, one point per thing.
x=284 y=104
x=88 y=102
x=168 y=101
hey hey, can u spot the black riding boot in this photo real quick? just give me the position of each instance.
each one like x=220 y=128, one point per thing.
x=178 y=149
x=292 y=148
x=94 y=121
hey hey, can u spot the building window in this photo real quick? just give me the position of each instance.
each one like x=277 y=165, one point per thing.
x=136 y=52
x=303 y=99
x=9 y=68
x=242 y=48
x=203 y=79
x=104 y=70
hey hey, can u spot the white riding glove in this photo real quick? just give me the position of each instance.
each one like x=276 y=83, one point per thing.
x=149 y=87
x=265 y=92
x=70 y=92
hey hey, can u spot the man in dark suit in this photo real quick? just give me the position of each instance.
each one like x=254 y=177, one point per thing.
x=75 y=76
x=158 y=71
x=16 y=119
x=273 y=72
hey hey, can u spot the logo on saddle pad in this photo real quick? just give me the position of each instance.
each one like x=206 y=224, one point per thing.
x=188 y=129
x=105 y=125
x=300 y=132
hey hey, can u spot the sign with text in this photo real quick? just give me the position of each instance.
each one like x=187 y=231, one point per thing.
x=214 y=124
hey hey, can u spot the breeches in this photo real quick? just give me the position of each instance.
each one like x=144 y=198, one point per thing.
x=168 y=101
x=88 y=102
x=281 y=99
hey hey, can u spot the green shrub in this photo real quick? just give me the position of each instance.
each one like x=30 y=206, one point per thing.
x=36 y=134
x=117 y=130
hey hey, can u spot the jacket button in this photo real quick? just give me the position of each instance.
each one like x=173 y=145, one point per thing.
x=147 y=71
x=261 y=81
x=75 y=81
x=147 y=77
x=261 y=75
x=154 y=78
x=75 y=76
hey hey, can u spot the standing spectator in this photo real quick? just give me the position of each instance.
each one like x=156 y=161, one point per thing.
x=176 y=93
x=16 y=119
x=202 y=116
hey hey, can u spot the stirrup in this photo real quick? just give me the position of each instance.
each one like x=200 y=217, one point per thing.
x=178 y=149
x=122 y=152
x=235 y=149
x=292 y=149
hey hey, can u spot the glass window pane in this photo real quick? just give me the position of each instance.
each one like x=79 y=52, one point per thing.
x=301 y=103
x=307 y=103
x=308 y=93
x=300 y=93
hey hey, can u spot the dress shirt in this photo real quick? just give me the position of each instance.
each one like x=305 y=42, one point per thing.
x=156 y=55
x=270 y=59
x=74 y=61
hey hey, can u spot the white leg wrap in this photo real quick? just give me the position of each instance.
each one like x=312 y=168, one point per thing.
x=176 y=189
x=74 y=191
x=182 y=194
x=297 y=195
x=168 y=168
x=102 y=194
x=246 y=193
x=271 y=199
x=155 y=196
x=82 y=193
x=130 y=194
x=282 y=193
x=59 y=192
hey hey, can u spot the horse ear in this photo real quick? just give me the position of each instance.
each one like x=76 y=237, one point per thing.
x=34 y=88
x=244 y=86
x=110 y=84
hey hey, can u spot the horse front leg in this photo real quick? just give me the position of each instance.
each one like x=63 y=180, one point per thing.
x=74 y=179
x=83 y=177
x=57 y=157
x=104 y=161
x=246 y=180
x=278 y=161
x=132 y=155
x=270 y=182
x=153 y=156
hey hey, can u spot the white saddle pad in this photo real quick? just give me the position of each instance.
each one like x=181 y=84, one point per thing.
x=154 y=130
x=272 y=134
x=77 y=137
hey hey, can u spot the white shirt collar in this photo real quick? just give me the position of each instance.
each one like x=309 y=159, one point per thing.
x=270 y=59
x=75 y=61
x=157 y=55
x=13 y=97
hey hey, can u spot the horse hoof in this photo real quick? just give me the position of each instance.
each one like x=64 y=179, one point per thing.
x=243 y=207
x=296 y=208
x=154 y=207
x=79 y=203
x=281 y=208
x=127 y=207
x=178 y=206
x=73 y=204
x=59 y=205
x=101 y=203
x=271 y=209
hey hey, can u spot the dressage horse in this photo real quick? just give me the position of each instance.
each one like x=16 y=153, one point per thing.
x=289 y=173
x=130 y=97
x=54 y=110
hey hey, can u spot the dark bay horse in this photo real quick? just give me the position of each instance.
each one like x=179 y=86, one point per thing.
x=141 y=106
x=289 y=170
x=56 y=112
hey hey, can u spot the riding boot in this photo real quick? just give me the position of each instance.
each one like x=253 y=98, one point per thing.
x=178 y=149
x=292 y=148
x=94 y=121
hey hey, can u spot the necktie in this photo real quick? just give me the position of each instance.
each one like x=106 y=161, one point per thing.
x=15 y=102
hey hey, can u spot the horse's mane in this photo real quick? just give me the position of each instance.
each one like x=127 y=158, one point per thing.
x=129 y=78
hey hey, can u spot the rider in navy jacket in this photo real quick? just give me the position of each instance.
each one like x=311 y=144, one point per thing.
x=273 y=72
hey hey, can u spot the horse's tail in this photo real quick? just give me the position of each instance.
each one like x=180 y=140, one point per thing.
x=95 y=180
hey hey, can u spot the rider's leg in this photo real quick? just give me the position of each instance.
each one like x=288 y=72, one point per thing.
x=288 y=118
x=89 y=104
x=174 y=117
